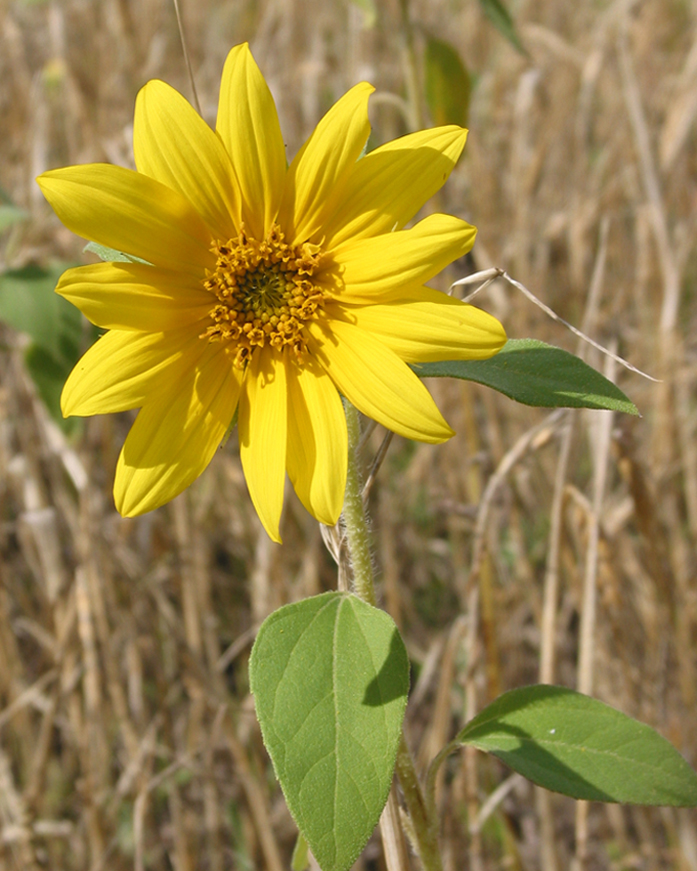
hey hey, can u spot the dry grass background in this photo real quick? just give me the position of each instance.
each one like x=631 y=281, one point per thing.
x=529 y=547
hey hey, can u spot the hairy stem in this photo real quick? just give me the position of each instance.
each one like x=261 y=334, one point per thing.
x=355 y=520
x=424 y=823
x=423 y=817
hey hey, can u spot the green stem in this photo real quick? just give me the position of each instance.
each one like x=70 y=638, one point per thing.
x=355 y=521
x=423 y=819
x=432 y=777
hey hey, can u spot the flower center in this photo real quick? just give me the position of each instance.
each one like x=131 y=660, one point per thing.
x=265 y=294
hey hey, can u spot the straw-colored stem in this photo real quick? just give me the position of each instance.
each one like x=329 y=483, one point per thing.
x=393 y=843
x=411 y=73
x=187 y=60
x=587 y=632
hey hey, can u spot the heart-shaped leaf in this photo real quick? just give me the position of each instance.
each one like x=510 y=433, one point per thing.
x=330 y=677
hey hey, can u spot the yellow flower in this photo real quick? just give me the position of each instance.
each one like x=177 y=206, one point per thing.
x=267 y=288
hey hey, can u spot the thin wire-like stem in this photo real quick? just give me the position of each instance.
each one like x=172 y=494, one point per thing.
x=377 y=462
x=187 y=61
x=488 y=275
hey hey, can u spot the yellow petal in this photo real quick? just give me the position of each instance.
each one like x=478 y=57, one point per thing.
x=176 y=434
x=377 y=382
x=317 y=442
x=263 y=423
x=131 y=212
x=132 y=296
x=389 y=185
x=248 y=125
x=372 y=269
x=324 y=163
x=173 y=144
x=122 y=369
x=435 y=327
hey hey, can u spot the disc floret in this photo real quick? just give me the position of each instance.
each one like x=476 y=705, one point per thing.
x=265 y=294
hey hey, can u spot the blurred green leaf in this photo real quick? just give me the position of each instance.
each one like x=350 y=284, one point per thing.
x=5 y=198
x=330 y=677
x=573 y=744
x=10 y=215
x=536 y=374
x=370 y=12
x=500 y=17
x=29 y=305
x=447 y=84
x=49 y=375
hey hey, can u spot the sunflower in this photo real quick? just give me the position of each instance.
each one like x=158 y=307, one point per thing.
x=263 y=289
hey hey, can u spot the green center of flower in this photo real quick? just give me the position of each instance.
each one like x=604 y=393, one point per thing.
x=265 y=294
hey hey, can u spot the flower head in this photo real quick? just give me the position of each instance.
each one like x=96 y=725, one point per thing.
x=266 y=289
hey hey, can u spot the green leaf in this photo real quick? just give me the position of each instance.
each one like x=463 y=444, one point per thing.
x=570 y=743
x=447 y=84
x=29 y=305
x=49 y=375
x=500 y=17
x=537 y=374
x=330 y=677
x=300 y=859
x=10 y=215
x=111 y=255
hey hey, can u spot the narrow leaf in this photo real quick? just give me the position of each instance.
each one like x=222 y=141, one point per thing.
x=537 y=374
x=570 y=743
x=330 y=677
x=111 y=255
x=501 y=18
x=447 y=84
